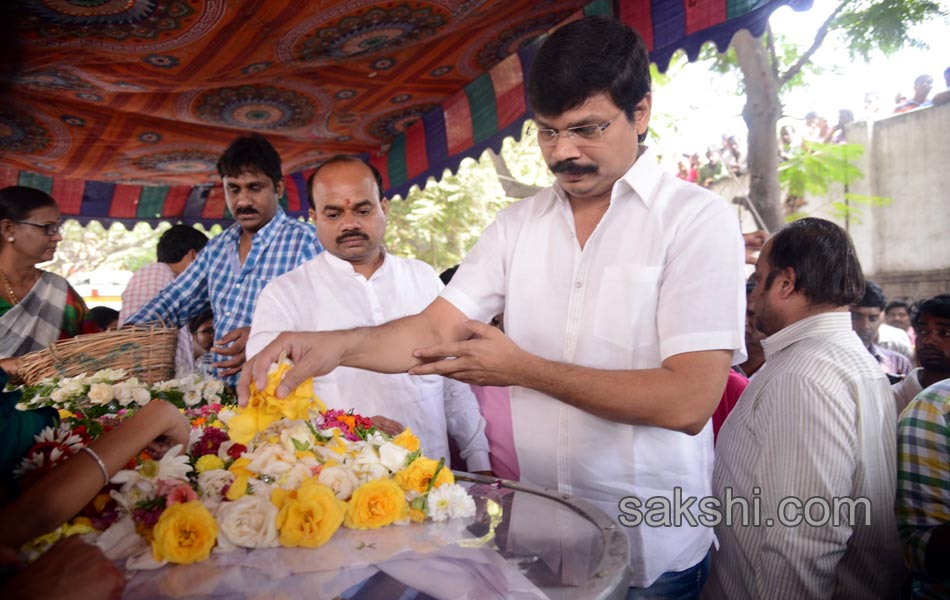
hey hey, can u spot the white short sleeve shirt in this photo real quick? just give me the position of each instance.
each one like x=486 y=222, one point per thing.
x=662 y=274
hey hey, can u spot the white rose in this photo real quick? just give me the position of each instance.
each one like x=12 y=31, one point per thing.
x=248 y=522
x=297 y=431
x=210 y=484
x=141 y=396
x=123 y=393
x=342 y=480
x=393 y=457
x=212 y=389
x=192 y=397
x=100 y=393
x=59 y=396
x=368 y=471
x=72 y=388
x=366 y=456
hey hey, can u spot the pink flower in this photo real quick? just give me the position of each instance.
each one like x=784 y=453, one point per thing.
x=180 y=494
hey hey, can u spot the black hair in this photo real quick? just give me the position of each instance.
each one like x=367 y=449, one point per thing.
x=195 y=322
x=587 y=57
x=177 y=241
x=938 y=306
x=873 y=296
x=826 y=266
x=897 y=304
x=18 y=201
x=338 y=159
x=447 y=275
x=251 y=153
x=104 y=316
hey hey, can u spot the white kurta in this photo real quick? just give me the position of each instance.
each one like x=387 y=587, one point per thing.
x=662 y=274
x=327 y=294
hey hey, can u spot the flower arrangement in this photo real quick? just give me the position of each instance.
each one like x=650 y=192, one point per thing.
x=282 y=472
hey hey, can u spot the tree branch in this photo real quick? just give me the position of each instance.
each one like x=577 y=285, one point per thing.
x=512 y=187
x=820 y=36
x=770 y=39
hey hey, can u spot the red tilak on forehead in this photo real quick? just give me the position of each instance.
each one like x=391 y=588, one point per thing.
x=347 y=202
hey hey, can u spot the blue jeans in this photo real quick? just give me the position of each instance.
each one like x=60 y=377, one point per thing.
x=675 y=585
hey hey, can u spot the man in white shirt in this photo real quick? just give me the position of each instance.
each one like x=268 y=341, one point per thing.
x=615 y=373
x=813 y=438
x=357 y=283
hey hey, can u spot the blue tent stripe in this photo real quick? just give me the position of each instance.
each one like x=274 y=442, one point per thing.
x=437 y=145
x=97 y=199
x=669 y=22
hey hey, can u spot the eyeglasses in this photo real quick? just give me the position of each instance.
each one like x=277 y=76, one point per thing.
x=49 y=229
x=582 y=135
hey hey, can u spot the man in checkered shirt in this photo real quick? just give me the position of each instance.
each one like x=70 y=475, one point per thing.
x=232 y=270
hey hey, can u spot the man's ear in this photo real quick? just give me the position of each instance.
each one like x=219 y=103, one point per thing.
x=279 y=188
x=312 y=212
x=384 y=204
x=641 y=114
x=786 y=282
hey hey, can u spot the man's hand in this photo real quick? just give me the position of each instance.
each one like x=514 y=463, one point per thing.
x=237 y=339
x=70 y=569
x=387 y=426
x=753 y=243
x=490 y=358
x=313 y=354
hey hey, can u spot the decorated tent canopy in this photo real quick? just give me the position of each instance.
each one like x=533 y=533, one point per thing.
x=122 y=107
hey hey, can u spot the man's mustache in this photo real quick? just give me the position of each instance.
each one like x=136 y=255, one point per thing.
x=570 y=167
x=351 y=234
x=245 y=210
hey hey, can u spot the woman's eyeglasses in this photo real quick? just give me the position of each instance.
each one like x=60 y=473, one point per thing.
x=49 y=229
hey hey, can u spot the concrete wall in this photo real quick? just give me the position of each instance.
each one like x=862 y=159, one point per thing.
x=905 y=246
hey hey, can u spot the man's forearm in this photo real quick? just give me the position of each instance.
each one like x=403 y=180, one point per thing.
x=388 y=348
x=681 y=395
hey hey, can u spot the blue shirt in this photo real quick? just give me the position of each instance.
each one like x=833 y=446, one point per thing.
x=217 y=278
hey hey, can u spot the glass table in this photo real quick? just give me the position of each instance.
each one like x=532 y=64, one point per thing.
x=524 y=542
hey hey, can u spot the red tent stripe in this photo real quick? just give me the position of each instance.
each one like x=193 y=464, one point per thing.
x=125 y=202
x=381 y=165
x=458 y=123
x=701 y=14
x=9 y=176
x=175 y=202
x=417 y=161
x=214 y=204
x=637 y=14
x=68 y=194
x=508 y=80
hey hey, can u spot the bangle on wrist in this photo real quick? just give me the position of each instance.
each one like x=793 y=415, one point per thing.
x=102 y=465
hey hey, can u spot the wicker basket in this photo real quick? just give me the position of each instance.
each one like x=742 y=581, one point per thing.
x=143 y=351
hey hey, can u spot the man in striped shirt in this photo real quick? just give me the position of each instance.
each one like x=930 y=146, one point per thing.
x=923 y=490
x=232 y=270
x=812 y=440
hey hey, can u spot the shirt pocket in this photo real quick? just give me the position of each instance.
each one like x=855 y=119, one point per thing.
x=625 y=308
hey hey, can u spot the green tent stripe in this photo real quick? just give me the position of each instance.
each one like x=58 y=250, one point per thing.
x=398 y=173
x=151 y=202
x=737 y=8
x=481 y=101
x=599 y=7
x=35 y=180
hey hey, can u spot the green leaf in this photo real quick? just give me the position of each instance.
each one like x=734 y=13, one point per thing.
x=300 y=446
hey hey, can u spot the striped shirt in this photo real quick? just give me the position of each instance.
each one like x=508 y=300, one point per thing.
x=818 y=421
x=216 y=277
x=923 y=482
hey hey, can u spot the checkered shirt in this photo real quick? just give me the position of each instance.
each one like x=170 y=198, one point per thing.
x=217 y=277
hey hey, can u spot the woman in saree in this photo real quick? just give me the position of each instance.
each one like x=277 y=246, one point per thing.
x=36 y=307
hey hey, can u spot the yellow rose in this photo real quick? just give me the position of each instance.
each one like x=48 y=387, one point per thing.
x=239 y=467
x=407 y=440
x=243 y=426
x=309 y=516
x=416 y=477
x=376 y=504
x=185 y=533
x=208 y=462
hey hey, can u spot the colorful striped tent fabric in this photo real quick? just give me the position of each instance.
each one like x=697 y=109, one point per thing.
x=120 y=108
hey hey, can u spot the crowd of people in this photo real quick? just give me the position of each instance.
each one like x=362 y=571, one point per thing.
x=602 y=379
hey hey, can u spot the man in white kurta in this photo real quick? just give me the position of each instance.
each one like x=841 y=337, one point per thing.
x=623 y=297
x=351 y=285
